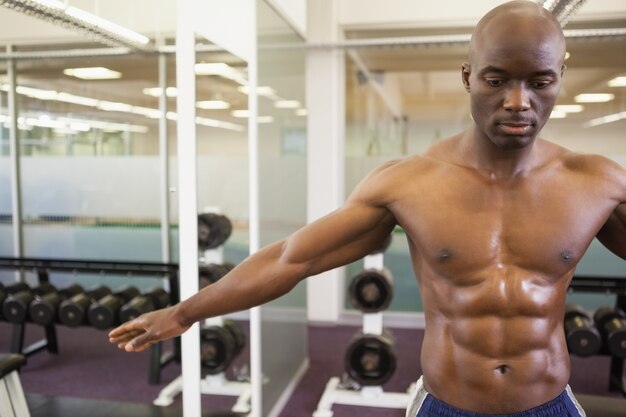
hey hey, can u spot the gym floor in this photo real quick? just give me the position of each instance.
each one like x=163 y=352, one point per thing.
x=91 y=377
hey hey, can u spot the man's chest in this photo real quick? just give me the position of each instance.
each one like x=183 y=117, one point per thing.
x=543 y=226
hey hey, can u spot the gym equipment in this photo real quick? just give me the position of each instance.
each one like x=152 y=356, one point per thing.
x=612 y=325
x=211 y=273
x=12 y=400
x=154 y=299
x=213 y=230
x=73 y=311
x=220 y=345
x=5 y=291
x=583 y=339
x=104 y=313
x=370 y=359
x=43 y=309
x=15 y=306
x=371 y=290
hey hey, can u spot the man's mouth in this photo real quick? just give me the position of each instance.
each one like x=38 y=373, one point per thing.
x=515 y=128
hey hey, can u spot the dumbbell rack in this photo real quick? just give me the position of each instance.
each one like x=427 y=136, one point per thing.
x=43 y=266
x=366 y=396
x=211 y=384
x=607 y=285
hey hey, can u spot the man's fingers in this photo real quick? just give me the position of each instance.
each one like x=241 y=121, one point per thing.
x=125 y=337
x=139 y=343
x=133 y=325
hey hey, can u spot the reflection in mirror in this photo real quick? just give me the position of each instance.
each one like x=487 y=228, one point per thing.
x=282 y=149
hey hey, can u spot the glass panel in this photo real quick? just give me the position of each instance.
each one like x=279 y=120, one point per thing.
x=424 y=82
x=6 y=237
x=222 y=162
x=282 y=147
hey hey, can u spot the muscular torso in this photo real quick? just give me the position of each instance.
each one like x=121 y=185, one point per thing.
x=494 y=259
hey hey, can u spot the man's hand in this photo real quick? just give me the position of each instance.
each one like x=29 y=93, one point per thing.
x=148 y=329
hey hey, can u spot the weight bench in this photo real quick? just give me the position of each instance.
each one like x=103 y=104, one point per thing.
x=12 y=400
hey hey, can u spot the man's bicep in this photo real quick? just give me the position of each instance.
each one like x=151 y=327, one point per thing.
x=340 y=237
x=613 y=233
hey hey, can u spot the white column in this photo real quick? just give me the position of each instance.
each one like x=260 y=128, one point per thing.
x=325 y=137
x=187 y=200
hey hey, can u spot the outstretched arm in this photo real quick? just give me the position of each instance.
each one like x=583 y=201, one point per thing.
x=341 y=237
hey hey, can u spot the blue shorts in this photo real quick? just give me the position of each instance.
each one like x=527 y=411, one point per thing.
x=425 y=405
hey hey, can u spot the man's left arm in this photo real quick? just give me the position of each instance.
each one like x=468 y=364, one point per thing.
x=613 y=233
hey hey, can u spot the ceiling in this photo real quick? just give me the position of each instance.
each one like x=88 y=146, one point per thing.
x=427 y=79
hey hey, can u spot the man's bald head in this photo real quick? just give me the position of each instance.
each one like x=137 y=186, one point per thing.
x=521 y=19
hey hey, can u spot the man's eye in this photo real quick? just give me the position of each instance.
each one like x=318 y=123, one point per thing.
x=494 y=82
x=539 y=84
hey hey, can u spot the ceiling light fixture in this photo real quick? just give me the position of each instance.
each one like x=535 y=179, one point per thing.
x=213 y=105
x=594 y=98
x=556 y=114
x=618 y=82
x=609 y=118
x=222 y=69
x=93 y=73
x=569 y=108
x=60 y=13
x=156 y=91
x=287 y=104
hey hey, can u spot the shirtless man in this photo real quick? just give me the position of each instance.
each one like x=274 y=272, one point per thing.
x=496 y=221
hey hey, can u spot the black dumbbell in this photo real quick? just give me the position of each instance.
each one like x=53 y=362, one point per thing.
x=211 y=273
x=213 y=230
x=15 y=306
x=612 y=325
x=43 y=309
x=371 y=290
x=220 y=345
x=370 y=360
x=73 y=311
x=104 y=313
x=152 y=300
x=583 y=339
x=11 y=289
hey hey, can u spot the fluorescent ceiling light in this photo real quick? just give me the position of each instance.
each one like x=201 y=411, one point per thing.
x=264 y=119
x=156 y=91
x=114 y=106
x=569 y=108
x=287 y=104
x=556 y=114
x=213 y=105
x=594 y=98
x=302 y=112
x=567 y=56
x=260 y=90
x=240 y=113
x=71 y=98
x=618 y=82
x=609 y=118
x=222 y=69
x=93 y=73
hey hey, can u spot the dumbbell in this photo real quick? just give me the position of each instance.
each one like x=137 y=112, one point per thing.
x=148 y=301
x=104 y=313
x=371 y=290
x=612 y=325
x=211 y=273
x=583 y=339
x=220 y=345
x=5 y=291
x=213 y=230
x=43 y=309
x=370 y=359
x=73 y=311
x=15 y=306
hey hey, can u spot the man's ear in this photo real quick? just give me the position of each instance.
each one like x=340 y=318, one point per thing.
x=466 y=70
x=563 y=68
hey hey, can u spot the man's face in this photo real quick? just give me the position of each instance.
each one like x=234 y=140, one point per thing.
x=513 y=80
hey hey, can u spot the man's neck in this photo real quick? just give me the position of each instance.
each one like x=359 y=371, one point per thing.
x=478 y=152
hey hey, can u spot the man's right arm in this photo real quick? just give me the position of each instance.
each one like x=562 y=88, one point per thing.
x=347 y=234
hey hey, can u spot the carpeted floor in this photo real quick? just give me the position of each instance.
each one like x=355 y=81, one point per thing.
x=87 y=366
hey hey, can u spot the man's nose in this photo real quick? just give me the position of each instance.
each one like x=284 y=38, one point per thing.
x=516 y=98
